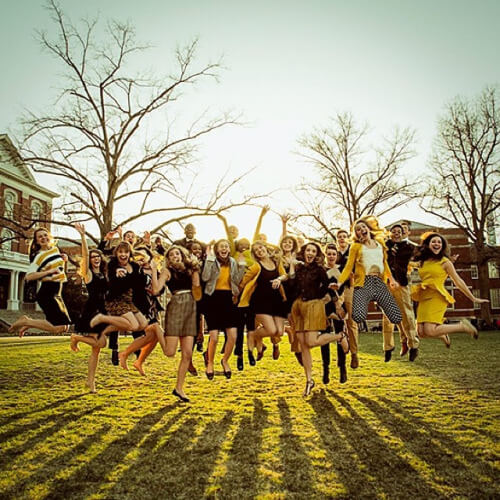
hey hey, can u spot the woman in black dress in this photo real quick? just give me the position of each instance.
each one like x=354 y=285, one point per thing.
x=93 y=272
x=263 y=291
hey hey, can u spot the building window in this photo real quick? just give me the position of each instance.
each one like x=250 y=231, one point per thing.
x=10 y=200
x=7 y=240
x=473 y=272
x=475 y=292
x=492 y=270
x=495 y=298
x=36 y=210
x=450 y=290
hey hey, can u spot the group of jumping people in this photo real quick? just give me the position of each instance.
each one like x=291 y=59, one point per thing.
x=317 y=294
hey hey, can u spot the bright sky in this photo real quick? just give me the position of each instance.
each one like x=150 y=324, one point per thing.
x=291 y=65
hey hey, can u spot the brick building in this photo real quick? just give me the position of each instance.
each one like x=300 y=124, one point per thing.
x=21 y=200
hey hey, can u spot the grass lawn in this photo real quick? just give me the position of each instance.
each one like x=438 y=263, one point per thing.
x=427 y=429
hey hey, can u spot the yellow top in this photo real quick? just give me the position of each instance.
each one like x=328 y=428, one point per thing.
x=355 y=262
x=433 y=277
x=249 y=283
x=224 y=280
x=248 y=257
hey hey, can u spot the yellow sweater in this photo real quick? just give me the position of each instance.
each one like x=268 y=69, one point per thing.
x=355 y=262
x=249 y=283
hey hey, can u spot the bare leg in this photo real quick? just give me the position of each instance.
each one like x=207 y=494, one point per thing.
x=212 y=346
x=171 y=346
x=126 y=322
x=314 y=339
x=136 y=345
x=145 y=352
x=91 y=340
x=186 y=354
x=93 y=359
x=434 y=330
x=306 y=355
x=231 y=340
x=25 y=322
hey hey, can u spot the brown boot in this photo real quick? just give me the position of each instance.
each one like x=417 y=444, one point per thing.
x=354 y=360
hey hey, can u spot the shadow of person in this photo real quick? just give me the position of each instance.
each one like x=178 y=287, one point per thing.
x=90 y=477
x=50 y=406
x=242 y=462
x=42 y=430
x=455 y=465
x=59 y=462
x=297 y=469
x=176 y=460
x=366 y=463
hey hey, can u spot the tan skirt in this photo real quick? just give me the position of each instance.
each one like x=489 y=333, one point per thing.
x=309 y=315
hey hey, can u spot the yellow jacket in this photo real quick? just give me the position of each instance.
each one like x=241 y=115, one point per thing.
x=354 y=262
x=249 y=283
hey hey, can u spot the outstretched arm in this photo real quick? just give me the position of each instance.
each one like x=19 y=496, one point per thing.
x=460 y=283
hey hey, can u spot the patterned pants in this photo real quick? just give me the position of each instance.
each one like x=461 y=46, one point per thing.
x=374 y=289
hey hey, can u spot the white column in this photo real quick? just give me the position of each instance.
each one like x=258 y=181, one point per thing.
x=13 y=302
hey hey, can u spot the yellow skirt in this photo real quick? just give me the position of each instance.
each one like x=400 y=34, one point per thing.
x=309 y=315
x=431 y=307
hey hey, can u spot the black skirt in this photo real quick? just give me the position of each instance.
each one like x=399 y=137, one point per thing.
x=220 y=311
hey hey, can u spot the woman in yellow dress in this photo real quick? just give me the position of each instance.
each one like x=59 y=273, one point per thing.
x=431 y=294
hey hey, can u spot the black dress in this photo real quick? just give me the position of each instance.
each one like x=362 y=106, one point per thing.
x=266 y=299
x=97 y=289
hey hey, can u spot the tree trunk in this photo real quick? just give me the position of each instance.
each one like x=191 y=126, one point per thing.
x=484 y=288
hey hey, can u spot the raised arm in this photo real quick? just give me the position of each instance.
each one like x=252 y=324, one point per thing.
x=263 y=212
x=232 y=243
x=284 y=220
x=158 y=280
x=85 y=252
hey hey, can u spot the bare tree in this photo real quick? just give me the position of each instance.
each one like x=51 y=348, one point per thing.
x=354 y=178
x=96 y=138
x=464 y=182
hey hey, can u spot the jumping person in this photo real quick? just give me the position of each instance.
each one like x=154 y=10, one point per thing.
x=343 y=248
x=183 y=280
x=93 y=272
x=368 y=260
x=222 y=275
x=336 y=314
x=123 y=273
x=47 y=266
x=431 y=294
x=262 y=290
x=399 y=254
x=310 y=282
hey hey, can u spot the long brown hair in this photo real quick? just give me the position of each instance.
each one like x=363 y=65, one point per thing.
x=34 y=246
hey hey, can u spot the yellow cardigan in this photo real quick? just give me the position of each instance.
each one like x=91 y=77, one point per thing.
x=355 y=262
x=249 y=283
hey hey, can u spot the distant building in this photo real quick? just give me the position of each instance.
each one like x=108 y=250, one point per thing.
x=461 y=246
x=21 y=200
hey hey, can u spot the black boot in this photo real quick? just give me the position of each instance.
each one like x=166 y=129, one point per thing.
x=341 y=359
x=326 y=374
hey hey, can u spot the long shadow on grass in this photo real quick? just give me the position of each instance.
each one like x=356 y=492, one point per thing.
x=375 y=469
x=243 y=458
x=180 y=467
x=88 y=479
x=57 y=422
x=50 y=406
x=436 y=448
x=53 y=466
x=297 y=471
